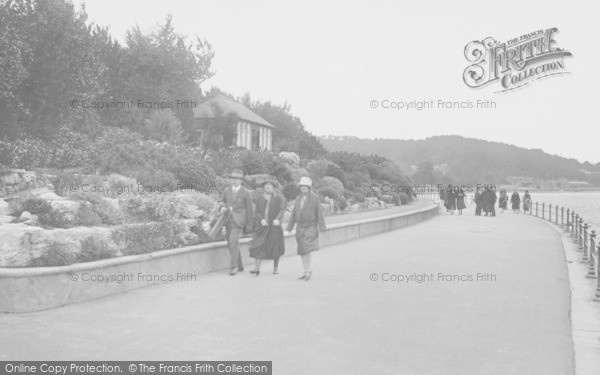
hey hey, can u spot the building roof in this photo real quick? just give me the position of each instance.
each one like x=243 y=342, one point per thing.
x=228 y=106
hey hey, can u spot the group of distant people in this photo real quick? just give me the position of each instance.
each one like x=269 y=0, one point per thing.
x=454 y=199
x=485 y=199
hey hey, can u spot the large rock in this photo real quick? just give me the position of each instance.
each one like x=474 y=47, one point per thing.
x=5 y=208
x=19 y=244
x=11 y=179
x=25 y=215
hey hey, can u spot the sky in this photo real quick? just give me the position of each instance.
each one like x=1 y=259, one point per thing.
x=331 y=60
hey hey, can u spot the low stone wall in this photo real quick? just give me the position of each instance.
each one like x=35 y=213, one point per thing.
x=33 y=289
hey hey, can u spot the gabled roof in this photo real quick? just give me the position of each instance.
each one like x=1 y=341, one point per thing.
x=228 y=106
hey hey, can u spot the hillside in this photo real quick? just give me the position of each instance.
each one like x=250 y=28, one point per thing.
x=469 y=160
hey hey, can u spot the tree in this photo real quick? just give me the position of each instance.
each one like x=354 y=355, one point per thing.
x=164 y=126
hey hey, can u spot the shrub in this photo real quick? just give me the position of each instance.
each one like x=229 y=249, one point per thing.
x=154 y=180
x=107 y=212
x=164 y=126
x=94 y=249
x=4 y=170
x=290 y=192
x=149 y=237
x=119 y=184
x=32 y=204
x=332 y=183
x=86 y=216
x=329 y=193
x=202 y=201
x=282 y=173
x=153 y=207
x=334 y=170
x=194 y=174
x=318 y=168
x=66 y=181
x=68 y=149
x=55 y=255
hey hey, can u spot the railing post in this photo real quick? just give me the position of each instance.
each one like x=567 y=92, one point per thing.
x=576 y=226
x=580 y=239
x=562 y=217
x=567 y=228
x=586 y=256
x=597 y=297
x=593 y=256
x=536 y=209
x=573 y=226
x=556 y=215
x=543 y=210
x=550 y=212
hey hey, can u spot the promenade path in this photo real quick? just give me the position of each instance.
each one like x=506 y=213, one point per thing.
x=343 y=322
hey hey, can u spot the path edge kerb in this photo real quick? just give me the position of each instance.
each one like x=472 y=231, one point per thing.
x=78 y=267
x=36 y=289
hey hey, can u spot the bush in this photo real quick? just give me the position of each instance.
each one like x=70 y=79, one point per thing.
x=153 y=207
x=331 y=183
x=32 y=204
x=334 y=170
x=108 y=213
x=56 y=255
x=94 y=249
x=318 y=168
x=66 y=181
x=119 y=184
x=149 y=237
x=153 y=180
x=164 y=126
x=4 y=170
x=194 y=174
x=86 y=216
x=329 y=193
x=202 y=201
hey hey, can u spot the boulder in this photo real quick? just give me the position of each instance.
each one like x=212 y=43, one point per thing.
x=5 y=208
x=33 y=221
x=26 y=215
x=11 y=179
x=19 y=244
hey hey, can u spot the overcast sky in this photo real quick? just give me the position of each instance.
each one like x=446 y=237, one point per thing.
x=330 y=59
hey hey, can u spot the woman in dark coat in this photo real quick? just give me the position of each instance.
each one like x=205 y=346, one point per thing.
x=503 y=201
x=452 y=199
x=267 y=242
x=526 y=201
x=460 y=200
x=478 y=202
x=515 y=200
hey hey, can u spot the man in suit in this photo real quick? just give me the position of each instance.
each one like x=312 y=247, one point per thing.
x=308 y=214
x=238 y=201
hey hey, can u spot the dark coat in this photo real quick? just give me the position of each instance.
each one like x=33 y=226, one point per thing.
x=267 y=242
x=515 y=200
x=460 y=200
x=503 y=200
x=310 y=220
x=240 y=205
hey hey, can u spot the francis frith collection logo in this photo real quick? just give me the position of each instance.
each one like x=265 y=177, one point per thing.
x=514 y=63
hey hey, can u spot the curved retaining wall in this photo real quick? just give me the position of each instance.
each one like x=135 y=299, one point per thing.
x=33 y=289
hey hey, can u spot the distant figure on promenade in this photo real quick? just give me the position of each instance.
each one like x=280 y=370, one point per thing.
x=460 y=200
x=485 y=200
x=478 y=202
x=493 y=199
x=237 y=200
x=452 y=199
x=503 y=200
x=308 y=214
x=267 y=242
x=526 y=201
x=515 y=199
x=444 y=197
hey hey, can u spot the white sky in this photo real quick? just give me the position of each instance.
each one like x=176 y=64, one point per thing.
x=329 y=59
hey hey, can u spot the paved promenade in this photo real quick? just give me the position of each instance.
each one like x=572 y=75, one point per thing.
x=342 y=322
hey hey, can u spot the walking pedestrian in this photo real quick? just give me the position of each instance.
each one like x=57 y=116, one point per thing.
x=308 y=215
x=268 y=242
x=238 y=201
x=515 y=200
